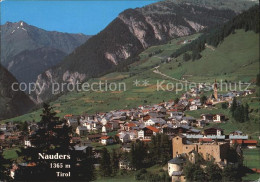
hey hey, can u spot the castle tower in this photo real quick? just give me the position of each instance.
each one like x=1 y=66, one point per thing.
x=216 y=90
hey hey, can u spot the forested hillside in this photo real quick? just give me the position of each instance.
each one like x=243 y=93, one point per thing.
x=12 y=103
x=248 y=20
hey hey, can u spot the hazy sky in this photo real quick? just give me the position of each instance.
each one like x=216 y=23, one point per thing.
x=88 y=17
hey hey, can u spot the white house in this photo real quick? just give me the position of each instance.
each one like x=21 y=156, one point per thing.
x=106 y=140
x=133 y=135
x=193 y=107
x=218 y=118
x=27 y=143
x=153 y=121
x=147 y=132
x=104 y=121
x=124 y=138
x=140 y=134
x=90 y=125
x=201 y=123
x=124 y=164
x=81 y=130
x=3 y=127
x=73 y=122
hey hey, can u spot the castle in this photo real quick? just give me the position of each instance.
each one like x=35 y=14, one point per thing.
x=183 y=149
x=218 y=151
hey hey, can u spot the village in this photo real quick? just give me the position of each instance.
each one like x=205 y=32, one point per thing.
x=188 y=135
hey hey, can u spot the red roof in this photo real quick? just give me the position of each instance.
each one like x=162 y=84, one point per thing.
x=250 y=141
x=131 y=124
x=147 y=117
x=32 y=164
x=237 y=141
x=244 y=141
x=108 y=125
x=205 y=139
x=104 y=137
x=146 y=140
x=153 y=129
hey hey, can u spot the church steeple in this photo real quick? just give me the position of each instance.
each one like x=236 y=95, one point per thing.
x=215 y=90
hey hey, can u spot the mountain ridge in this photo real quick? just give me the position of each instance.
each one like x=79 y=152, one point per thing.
x=12 y=103
x=31 y=37
x=128 y=35
x=20 y=44
x=34 y=62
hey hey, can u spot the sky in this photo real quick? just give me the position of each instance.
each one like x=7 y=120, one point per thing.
x=88 y=17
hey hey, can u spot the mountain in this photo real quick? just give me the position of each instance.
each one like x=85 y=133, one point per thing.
x=233 y=58
x=19 y=36
x=12 y=103
x=236 y=5
x=27 y=51
x=133 y=31
x=28 y=64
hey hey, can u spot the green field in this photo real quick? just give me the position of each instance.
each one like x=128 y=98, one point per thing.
x=235 y=59
x=120 y=178
x=10 y=153
x=110 y=148
x=252 y=158
x=130 y=175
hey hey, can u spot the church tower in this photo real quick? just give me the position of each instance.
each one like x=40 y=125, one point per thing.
x=216 y=90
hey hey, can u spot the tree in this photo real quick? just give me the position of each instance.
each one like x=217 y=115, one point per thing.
x=238 y=114
x=53 y=136
x=193 y=172
x=4 y=164
x=114 y=162
x=176 y=100
x=213 y=172
x=224 y=105
x=246 y=112
x=186 y=57
x=233 y=106
x=242 y=114
x=84 y=169
x=160 y=149
x=105 y=163
x=137 y=154
x=258 y=80
x=24 y=127
x=231 y=173
x=203 y=99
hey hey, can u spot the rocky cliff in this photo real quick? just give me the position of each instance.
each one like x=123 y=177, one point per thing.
x=125 y=37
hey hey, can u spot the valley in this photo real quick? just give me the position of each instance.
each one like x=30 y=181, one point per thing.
x=165 y=92
x=234 y=60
